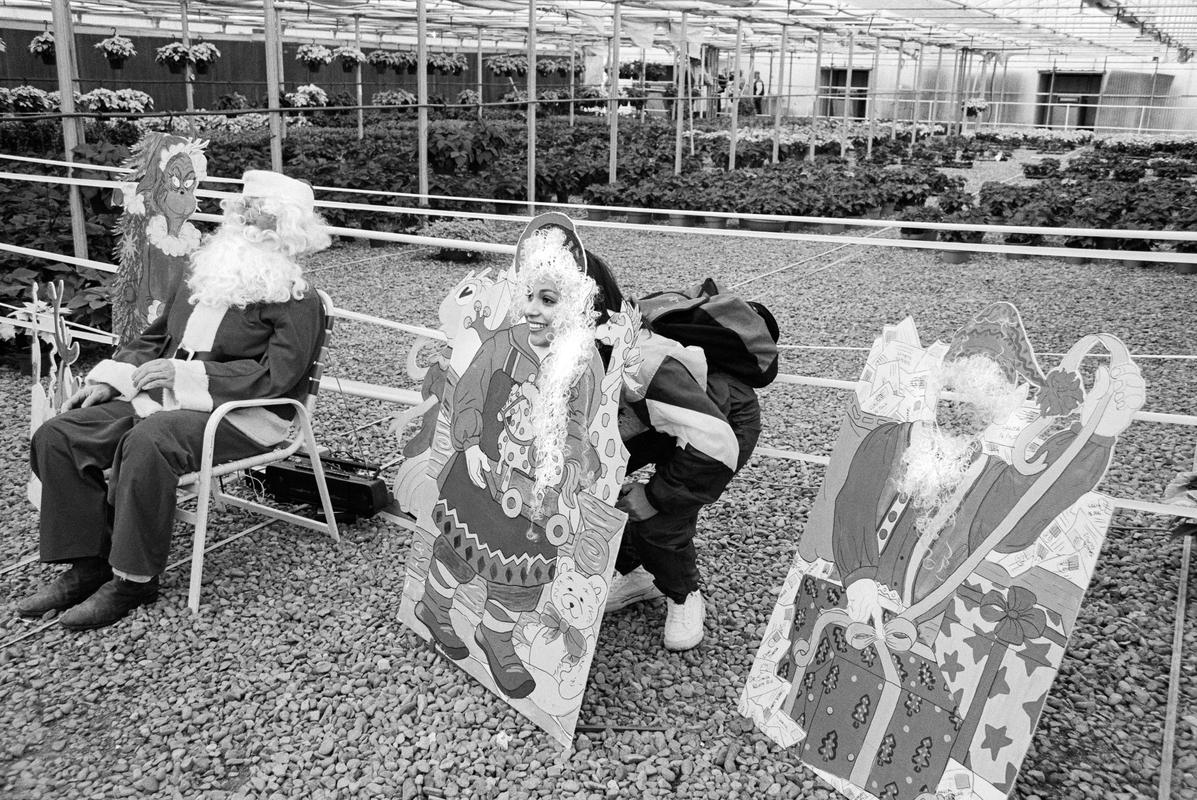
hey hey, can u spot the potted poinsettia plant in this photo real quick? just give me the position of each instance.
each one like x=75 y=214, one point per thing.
x=203 y=55
x=380 y=60
x=447 y=63
x=117 y=49
x=405 y=61
x=174 y=55
x=42 y=46
x=349 y=56
x=313 y=56
x=975 y=105
x=921 y=214
x=504 y=64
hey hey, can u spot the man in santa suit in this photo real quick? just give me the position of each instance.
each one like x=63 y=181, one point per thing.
x=245 y=324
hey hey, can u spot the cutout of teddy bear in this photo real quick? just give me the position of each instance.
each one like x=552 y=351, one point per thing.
x=560 y=635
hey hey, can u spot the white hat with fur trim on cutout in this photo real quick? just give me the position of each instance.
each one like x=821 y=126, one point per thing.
x=264 y=183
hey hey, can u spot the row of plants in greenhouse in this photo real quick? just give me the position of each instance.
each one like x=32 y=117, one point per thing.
x=792 y=188
x=486 y=159
x=118 y=49
x=1109 y=165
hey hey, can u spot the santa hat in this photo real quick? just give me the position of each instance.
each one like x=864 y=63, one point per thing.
x=263 y=183
x=997 y=333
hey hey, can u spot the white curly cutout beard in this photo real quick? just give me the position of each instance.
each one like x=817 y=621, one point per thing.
x=229 y=270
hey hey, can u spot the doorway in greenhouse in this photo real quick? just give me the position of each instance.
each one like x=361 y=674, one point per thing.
x=1068 y=100
x=832 y=83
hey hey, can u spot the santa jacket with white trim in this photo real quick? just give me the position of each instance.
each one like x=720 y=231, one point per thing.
x=262 y=351
x=697 y=428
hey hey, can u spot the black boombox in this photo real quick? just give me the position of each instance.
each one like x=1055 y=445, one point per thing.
x=354 y=487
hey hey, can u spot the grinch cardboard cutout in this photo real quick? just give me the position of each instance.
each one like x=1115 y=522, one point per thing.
x=156 y=237
x=934 y=590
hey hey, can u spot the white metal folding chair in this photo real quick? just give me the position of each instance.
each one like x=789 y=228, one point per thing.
x=303 y=438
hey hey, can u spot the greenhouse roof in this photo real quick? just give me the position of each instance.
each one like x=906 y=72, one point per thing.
x=1135 y=30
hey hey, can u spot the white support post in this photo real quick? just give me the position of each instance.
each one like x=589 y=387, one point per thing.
x=781 y=81
x=935 y=90
x=814 y=110
x=64 y=38
x=737 y=82
x=573 y=54
x=898 y=90
x=643 y=90
x=479 y=68
x=188 y=69
x=679 y=110
x=750 y=81
x=1002 y=106
x=918 y=93
x=357 y=78
x=531 y=115
x=874 y=80
x=613 y=100
x=422 y=99
x=847 y=95
x=273 y=84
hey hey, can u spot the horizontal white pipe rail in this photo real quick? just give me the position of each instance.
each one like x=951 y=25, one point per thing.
x=855 y=221
x=409 y=397
x=1116 y=255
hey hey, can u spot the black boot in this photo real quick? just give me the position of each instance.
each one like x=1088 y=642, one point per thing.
x=433 y=610
x=70 y=588
x=111 y=602
x=505 y=666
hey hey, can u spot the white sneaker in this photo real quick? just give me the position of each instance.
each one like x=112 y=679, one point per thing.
x=683 y=622
x=635 y=587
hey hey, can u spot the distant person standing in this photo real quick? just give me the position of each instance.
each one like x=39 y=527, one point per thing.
x=758 y=93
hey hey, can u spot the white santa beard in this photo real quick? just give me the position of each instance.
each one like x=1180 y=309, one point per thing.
x=230 y=270
x=933 y=465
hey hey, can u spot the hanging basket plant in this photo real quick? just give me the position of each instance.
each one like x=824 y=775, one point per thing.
x=380 y=60
x=507 y=65
x=42 y=46
x=117 y=49
x=447 y=63
x=174 y=55
x=203 y=55
x=552 y=66
x=313 y=56
x=349 y=56
x=404 y=61
x=975 y=105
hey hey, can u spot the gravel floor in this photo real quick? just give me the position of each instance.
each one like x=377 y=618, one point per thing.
x=296 y=680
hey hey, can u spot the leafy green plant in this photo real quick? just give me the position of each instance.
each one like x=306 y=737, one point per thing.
x=447 y=63
x=204 y=53
x=42 y=44
x=462 y=229
x=1045 y=168
x=116 y=47
x=393 y=97
x=921 y=214
x=232 y=101
x=313 y=55
x=506 y=64
x=173 y=53
x=964 y=216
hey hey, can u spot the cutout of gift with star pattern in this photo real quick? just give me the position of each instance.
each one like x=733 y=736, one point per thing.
x=999 y=648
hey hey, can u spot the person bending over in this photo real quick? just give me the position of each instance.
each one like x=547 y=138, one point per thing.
x=698 y=424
